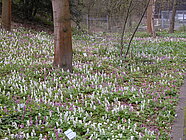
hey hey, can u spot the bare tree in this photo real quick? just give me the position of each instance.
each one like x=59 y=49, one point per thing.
x=6 y=14
x=62 y=35
x=129 y=45
x=150 y=18
x=111 y=7
x=172 y=21
x=124 y=26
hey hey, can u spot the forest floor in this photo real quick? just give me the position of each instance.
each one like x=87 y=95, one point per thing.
x=106 y=96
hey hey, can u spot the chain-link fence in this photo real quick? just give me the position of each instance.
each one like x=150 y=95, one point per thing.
x=101 y=23
x=115 y=23
x=108 y=23
x=180 y=19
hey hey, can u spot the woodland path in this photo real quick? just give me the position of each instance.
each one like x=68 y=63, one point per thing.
x=179 y=126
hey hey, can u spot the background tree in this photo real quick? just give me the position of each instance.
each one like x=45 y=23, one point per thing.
x=172 y=20
x=150 y=18
x=76 y=7
x=62 y=34
x=124 y=25
x=133 y=34
x=41 y=11
x=29 y=9
x=88 y=6
x=6 y=14
x=111 y=7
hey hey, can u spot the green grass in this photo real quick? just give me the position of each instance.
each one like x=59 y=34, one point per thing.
x=179 y=34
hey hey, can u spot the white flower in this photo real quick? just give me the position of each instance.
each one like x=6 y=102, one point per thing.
x=84 y=54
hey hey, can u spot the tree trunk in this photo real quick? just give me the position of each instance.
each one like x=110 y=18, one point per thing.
x=109 y=20
x=150 y=18
x=172 y=21
x=88 y=21
x=62 y=35
x=130 y=22
x=6 y=14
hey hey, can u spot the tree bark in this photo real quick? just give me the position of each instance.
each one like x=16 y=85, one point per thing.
x=172 y=21
x=62 y=35
x=150 y=18
x=6 y=14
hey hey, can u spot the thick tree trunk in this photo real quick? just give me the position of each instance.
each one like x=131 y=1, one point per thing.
x=62 y=35
x=6 y=14
x=172 y=21
x=150 y=18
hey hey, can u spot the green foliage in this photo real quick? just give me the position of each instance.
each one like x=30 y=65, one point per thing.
x=106 y=97
x=41 y=10
x=180 y=33
x=142 y=34
x=182 y=28
x=29 y=9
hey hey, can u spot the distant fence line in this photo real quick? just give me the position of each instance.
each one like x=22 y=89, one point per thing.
x=102 y=20
x=115 y=23
x=180 y=18
x=104 y=23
